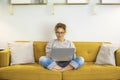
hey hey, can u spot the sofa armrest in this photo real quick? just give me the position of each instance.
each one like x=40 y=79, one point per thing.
x=117 y=56
x=4 y=58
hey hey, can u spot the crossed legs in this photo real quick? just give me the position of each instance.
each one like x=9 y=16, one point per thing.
x=52 y=65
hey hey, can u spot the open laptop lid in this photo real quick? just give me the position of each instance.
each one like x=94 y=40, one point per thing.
x=62 y=54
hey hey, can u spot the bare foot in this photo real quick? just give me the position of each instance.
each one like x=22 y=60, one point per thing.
x=68 y=67
x=60 y=69
x=56 y=68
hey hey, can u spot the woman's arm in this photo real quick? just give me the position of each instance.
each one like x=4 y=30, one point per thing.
x=73 y=46
x=48 y=48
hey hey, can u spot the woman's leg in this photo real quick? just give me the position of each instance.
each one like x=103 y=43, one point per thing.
x=77 y=62
x=74 y=64
x=68 y=67
x=48 y=63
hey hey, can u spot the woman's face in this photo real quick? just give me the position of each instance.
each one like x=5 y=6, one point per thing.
x=60 y=33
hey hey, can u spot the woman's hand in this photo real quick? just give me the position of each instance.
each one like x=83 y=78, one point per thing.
x=48 y=55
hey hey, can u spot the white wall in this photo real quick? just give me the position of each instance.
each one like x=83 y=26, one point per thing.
x=35 y=22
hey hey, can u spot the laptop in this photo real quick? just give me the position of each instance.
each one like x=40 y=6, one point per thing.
x=62 y=54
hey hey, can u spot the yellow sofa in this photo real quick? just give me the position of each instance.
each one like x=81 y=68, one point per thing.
x=89 y=71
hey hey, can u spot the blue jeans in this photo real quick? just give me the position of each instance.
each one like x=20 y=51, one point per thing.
x=50 y=63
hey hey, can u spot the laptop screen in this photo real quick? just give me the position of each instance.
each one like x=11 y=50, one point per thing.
x=62 y=54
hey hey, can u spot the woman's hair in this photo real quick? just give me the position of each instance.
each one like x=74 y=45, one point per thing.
x=60 y=25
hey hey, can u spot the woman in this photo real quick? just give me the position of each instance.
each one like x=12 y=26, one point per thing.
x=60 y=42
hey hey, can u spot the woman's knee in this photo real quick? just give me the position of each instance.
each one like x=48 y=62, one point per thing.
x=45 y=61
x=80 y=60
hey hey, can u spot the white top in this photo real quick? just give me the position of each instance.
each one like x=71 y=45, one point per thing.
x=58 y=44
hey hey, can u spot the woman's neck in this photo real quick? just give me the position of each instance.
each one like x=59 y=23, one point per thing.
x=61 y=40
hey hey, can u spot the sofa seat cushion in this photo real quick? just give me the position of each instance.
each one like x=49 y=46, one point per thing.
x=90 y=71
x=28 y=72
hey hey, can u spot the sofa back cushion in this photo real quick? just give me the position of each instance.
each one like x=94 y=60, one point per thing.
x=88 y=50
x=39 y=49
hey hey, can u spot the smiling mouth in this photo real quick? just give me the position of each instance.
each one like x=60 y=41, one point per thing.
x=59 y=36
